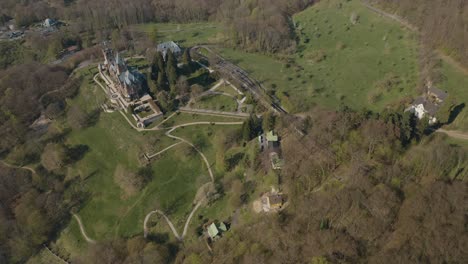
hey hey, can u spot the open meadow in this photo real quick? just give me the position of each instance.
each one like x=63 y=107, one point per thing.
x=345 y=54
x=187 y=35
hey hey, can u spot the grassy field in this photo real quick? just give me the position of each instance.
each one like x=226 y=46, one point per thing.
x=187 y=35
x=455 y=83
x=216 y=102
x=225 y=88
x=206 y=137
x=370 y=63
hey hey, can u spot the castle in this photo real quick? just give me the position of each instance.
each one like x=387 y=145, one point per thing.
x=127 y=82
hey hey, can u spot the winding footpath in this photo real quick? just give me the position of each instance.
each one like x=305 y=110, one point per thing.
x=82 y=230
x=18 y=167
x=171 y=226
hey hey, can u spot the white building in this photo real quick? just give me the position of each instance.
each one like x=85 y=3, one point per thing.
x=428 y=104
x=170 y=45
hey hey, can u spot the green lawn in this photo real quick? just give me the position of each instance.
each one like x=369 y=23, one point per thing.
x=205 y=137
x=225 y=88
x=216 y=102
x=455 y=83
x=187 y=35
x=338 y=61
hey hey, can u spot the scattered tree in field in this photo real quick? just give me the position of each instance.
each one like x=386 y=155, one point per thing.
x=128 y=181
x=195 y=91
x=54 y=156
x=77 y=118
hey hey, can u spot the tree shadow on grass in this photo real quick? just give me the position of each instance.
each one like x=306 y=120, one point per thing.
x=455 y=112
x=159 y=238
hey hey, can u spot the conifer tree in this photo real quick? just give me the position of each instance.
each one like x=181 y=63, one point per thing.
x=171 y=68
x=186 y=59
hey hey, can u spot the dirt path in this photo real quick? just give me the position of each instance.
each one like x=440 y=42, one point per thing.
x=452 y=62
x=164 y=150
x=168 y=133
x=391 y=16
x=18 y=167
x=145 y=229
x=413 y=28
x=190 y=218
x=82 y=230
x=454 y=133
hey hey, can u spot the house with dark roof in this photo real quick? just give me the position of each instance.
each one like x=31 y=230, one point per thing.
x=428 y=104
x=437 y=94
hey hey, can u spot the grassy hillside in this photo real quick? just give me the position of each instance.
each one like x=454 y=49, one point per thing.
x=346 y=54
x=455 y=82
x=188 y=34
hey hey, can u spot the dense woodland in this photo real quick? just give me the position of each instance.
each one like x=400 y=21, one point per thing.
x=360 y=191
x=362 y=186
x=262 y=25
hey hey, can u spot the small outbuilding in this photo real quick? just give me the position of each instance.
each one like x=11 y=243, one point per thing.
x=216 y=230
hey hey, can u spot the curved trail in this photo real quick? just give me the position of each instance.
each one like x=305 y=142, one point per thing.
x=145 y=229
x=18 y=167
x=82 y=230
x=190 y=218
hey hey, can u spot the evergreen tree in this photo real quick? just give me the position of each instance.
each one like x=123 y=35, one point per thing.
x=246 y=129
x=171 y=68
x=171 y=60
x=186 y=59
x=152 y=84
x=159 y=61
x=162 y=81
